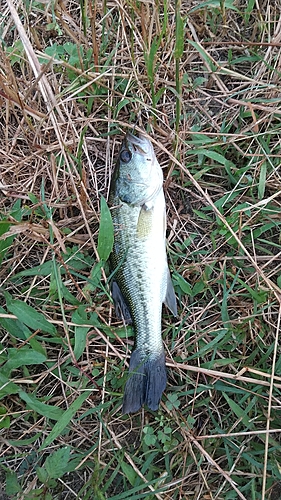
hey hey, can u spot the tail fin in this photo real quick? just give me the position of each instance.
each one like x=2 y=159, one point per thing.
x=147 y=381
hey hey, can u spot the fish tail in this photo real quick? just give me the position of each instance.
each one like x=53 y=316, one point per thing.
x=147 y=381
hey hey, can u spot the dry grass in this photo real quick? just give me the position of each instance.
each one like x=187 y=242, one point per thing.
x=204 y=83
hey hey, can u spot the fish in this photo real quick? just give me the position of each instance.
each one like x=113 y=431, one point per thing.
x=141 y=277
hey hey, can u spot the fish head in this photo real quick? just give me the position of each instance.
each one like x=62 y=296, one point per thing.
x=138 y=176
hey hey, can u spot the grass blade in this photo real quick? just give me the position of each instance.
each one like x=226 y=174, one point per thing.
x=64 y=421
x=106 y=232
x=29 y=316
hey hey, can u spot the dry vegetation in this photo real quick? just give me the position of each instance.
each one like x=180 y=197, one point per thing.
x=203 y=79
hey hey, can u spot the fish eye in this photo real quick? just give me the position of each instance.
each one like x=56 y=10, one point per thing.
x=125 y=156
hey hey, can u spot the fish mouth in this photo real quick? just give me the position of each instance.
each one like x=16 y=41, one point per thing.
x=151 y=183
x=139 y=143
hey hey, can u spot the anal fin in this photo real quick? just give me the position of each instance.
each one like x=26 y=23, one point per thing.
x=170 y=299
x=121 y=309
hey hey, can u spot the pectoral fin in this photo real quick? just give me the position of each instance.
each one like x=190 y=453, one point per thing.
x=121 y=308
x=144 y=225
x=170 y=299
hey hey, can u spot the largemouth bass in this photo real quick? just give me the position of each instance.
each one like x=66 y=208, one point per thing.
x=142 y=279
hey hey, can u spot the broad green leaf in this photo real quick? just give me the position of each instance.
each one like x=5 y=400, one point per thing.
x=33 y=197
x=42 y=474
x=198 y=288
x=259 y=295
x=14 y=326
x=124 y=102
x=202 y=215
x=252 y=460
x=5 y=243
x=42 y=270
x=29 y=316
x=20 y=331
x=128 y=472
x=94 y=280
x=4 y=227
x=56 y=463
x=68 y=296
x=262 y=229
x=80 y=335
x=77 y=261
x=81 y=317
x=7 y=387
x=150 y=59
x=149 y=436
x=183 y=284
x=221 y=386
x=159 y=93
x=239 y=412
x=52 y=412
x=201 y=139
x=106 y=231
x=80 y=338
x=25 y=442
x=4 y=418
x=22 y=357
x=172 y=401
x=213 y=155
x=64 y=421
x=249 y=7
x=12 y=485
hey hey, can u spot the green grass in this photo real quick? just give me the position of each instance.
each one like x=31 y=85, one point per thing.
x=203 y=79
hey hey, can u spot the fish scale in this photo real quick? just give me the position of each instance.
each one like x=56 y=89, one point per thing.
x=142 y=279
